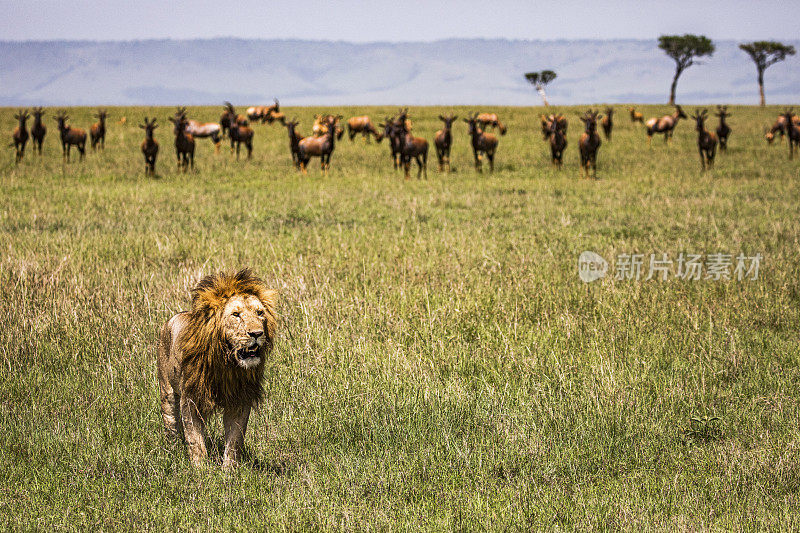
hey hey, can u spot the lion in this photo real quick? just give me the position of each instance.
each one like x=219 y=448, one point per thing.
x=212 y=357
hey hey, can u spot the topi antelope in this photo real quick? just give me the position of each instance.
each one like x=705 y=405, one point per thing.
x=20 y=135
x=184 y=142
x=241 y=133
x=321 y=147
x=201 y=130
x=482 y=143
x=149 y=147
x=589 y=143
x=320 y=126
x=70 y=136
x=362 y=125
x=723 y=130
x=792 y=131
x=294 y=141
x=411 y=146
x=391 y=130
x=558 y=143
x=262 y=112
x=665 y=125
x=228 y=116
x=491 y=119
x=38 y=129
x=780 y=127
x=98 y=130
x=403 y=112
x=608 y=122
x=706 y=140
x=256 y=112
x=444 y=140
x=545 y=126
x=274 y=116
x=635 y=115
x=559 y=119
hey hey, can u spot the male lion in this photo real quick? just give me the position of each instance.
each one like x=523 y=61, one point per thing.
x=213 y=357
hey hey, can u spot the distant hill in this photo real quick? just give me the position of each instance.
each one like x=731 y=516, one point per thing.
x=455 y=71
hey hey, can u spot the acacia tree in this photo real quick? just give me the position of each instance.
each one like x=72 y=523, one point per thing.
x=539 y=80
x=765 y=54
x=684 y=49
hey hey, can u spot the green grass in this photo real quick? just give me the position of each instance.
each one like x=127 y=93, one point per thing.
x=440 y=365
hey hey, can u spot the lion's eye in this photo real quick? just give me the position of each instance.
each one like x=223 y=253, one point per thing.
x=236 y=313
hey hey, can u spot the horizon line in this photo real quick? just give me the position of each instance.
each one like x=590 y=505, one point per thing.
x=356 y=43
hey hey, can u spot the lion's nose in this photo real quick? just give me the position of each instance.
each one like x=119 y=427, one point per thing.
x=256 y=334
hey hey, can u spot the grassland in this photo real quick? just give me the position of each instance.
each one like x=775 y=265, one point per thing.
x=440 y=364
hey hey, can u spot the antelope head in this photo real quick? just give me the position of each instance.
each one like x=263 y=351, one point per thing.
x=722 y=111
x=700 y=118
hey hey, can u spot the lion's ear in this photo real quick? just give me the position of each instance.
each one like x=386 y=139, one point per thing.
x=269 y=297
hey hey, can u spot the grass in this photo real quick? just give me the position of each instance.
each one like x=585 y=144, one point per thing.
x=440 y=365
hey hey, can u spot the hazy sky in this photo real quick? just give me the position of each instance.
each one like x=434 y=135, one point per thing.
x=381 y=20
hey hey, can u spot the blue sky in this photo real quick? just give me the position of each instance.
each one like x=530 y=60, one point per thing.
x=379 y=20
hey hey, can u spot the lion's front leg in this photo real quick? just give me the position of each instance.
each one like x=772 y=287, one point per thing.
x=235 y=422
x=194 y=431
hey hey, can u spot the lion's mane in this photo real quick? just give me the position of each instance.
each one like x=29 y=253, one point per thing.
x=210 y=376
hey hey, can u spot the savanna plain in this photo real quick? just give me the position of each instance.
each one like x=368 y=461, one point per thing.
x=439 y=365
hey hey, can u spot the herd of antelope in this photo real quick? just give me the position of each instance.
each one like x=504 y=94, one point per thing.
x=403 y=145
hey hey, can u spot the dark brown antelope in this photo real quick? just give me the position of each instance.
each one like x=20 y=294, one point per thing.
x=608 y=122
x=411 y=146
x=589 y=143
x=723 y=130
x=228 y=116
x=321 y=147
x=636 y=116
x=545 y=127
x=792 y=132
x=558 y=143
x=38 y=129
x=362 y=125
x=391 y=131
x=403 y=112
x=20 y=134
x=482 y=143
x=149 y=147
x=241 y=133
x=70 y=136
x=294 y=141
x=98 y=130
x=560 y=120
x=491 y=119
x=706 y=141
x=444 y=140
x=184 y=143
x=665 y=125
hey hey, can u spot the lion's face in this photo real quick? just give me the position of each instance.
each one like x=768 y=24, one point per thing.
x=244 y=326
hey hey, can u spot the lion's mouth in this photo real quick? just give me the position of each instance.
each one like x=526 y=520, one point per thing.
x=247 y=353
